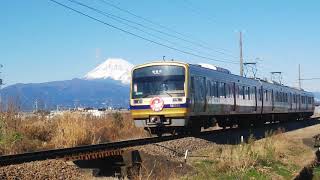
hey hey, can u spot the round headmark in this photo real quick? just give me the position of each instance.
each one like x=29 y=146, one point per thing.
x=156 y=104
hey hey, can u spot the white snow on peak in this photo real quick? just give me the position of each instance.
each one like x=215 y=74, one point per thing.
x=113 y=68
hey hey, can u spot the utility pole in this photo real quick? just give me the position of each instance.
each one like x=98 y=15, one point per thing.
x=36 y=105
x=299 y=78
x=241 y=58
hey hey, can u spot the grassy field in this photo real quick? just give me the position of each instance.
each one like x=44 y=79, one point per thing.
x=68 y=130
x=316 y=173
x=274 y=157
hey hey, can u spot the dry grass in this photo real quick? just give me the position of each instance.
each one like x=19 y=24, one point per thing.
x=67 y=130
x=272 y=157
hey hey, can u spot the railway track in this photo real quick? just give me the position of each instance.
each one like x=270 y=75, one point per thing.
x=221 y=136
x=83 y=152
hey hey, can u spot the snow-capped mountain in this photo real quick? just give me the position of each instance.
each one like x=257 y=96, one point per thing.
x=113 y=68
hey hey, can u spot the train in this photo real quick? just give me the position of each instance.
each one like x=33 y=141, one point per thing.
x=177 y=97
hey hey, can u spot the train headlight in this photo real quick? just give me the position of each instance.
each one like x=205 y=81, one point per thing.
x=155 y=119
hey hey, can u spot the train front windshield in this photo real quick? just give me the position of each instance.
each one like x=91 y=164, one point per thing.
x=164 y=80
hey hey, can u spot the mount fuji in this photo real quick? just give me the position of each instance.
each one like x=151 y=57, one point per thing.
x=105 y=85
x=113 y=68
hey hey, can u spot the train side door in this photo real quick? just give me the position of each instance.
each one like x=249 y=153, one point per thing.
x=256 y=98
x=290 y=101
x=192 y=93
x=299 y=101
x=272 y=100
x=234 y=97
x=261 y=98
x=200 y=94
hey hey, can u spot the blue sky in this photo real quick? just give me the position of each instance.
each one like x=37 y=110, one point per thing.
x=40 y=41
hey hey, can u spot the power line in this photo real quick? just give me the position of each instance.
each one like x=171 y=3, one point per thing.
x=116 y=18
x=135 y=35
x=193 y=42
x=309 y=79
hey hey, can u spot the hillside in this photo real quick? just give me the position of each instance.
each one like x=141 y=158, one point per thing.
x=105 y=85
x=69 y=93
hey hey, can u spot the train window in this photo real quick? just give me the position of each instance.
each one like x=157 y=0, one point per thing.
x=260 y=94
x=230 y=90
x=211 y=88
x=293 y=97
x=222 y=89
x=225 y=89
x=242 y=92
x=290 y=98
x=237 y=91
x=208 y=88
x=217 y=89
x=266 y=95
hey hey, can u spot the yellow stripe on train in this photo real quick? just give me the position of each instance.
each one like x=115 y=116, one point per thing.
x=170 y=112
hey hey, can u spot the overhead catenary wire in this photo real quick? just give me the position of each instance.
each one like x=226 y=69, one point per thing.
x=306 y=79
x=121 y=20
x=136 y=35
x=189 y=40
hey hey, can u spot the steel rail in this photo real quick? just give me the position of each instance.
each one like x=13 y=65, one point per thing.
x=73 y=151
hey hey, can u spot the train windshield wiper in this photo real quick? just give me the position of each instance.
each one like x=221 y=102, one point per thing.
x=168 y=93
x=146 y=95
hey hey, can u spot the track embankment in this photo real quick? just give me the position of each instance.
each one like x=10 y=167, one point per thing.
x=207 y=150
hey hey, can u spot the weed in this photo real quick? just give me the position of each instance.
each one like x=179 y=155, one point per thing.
x=118 y=119
x=67 y=130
